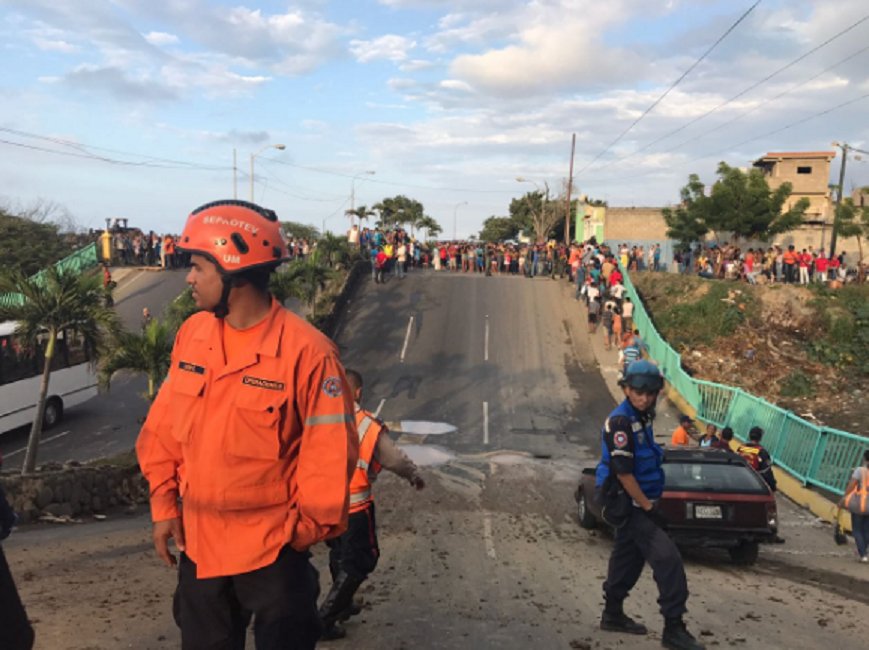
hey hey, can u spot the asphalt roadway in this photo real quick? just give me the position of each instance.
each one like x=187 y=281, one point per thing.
x=489 y=555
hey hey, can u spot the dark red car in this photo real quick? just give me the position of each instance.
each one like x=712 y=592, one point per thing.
x=712 y=498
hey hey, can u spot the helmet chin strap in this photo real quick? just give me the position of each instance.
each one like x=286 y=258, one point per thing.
x=221 y=309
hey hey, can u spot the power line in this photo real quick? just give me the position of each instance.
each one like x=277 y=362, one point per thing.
x=672 y=86
x=751 y=139
x=743 y=92
x=745 y=113
x=150 y=161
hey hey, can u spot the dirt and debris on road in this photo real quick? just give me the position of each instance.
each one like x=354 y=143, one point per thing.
x=489 y=555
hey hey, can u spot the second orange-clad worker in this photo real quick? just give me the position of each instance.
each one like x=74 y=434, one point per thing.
x=249 y=446
x=354 y=555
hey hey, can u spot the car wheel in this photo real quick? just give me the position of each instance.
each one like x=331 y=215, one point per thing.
x=53 y=413
x=745 y=554
x=586 y=519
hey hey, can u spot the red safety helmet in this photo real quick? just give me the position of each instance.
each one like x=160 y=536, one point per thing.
x=236 y=235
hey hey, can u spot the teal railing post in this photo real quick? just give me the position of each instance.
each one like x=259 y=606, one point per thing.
x=816 y=457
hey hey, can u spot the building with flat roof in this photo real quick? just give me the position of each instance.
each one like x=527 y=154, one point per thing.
x=808 y=172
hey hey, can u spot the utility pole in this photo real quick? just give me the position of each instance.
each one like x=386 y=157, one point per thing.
x=844 y=147
x=569 y=188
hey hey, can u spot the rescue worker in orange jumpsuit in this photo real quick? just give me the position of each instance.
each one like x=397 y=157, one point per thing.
x=249 y=446
x=354 y=555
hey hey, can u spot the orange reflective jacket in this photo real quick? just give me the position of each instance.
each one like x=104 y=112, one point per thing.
x=369 y=429
x=259 y=451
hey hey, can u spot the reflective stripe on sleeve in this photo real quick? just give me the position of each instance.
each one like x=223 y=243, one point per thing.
x=359 y=497
x=620 y=452
x=336 y=418
x=361 y=464
x=364 y=425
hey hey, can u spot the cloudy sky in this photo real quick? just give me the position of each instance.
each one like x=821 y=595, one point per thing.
x=133 y=108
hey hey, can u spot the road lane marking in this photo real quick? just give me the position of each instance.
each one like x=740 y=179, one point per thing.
x=485 y=423
x=486 y=344
x=379 y=407
x=41 y=442
x=406 y=338
x=487 y=537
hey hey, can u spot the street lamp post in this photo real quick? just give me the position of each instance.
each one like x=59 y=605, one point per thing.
x=370 y=172
x=279 y=147
x=455 y=213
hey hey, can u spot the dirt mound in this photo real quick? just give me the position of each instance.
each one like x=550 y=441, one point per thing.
x=801 y=348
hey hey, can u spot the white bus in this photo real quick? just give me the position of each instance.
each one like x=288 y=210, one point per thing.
x=73 y=379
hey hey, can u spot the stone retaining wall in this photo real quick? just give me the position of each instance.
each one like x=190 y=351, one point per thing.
x=73 y=491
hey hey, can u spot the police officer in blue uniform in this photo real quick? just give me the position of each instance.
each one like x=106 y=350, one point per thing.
x=629 y=481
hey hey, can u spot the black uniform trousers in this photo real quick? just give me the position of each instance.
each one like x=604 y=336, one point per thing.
x=638 y=542
x=356 y=551
x=213 y=613
x=15 y=630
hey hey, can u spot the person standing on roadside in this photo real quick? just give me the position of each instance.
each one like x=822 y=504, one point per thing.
x=758 y=457
x=16 y=633
x=856 y=500
x=249 y=446
x=629 y=479
x=354 y=555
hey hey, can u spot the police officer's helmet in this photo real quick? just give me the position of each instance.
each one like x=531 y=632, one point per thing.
x=643 y=375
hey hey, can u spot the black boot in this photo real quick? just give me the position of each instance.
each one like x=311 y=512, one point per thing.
x=614 y=619
x=339 y=599
x=332 y=632
x=677 y=637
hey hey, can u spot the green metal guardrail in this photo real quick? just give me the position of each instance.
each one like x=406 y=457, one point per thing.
x=819 y=456
x=82 y=259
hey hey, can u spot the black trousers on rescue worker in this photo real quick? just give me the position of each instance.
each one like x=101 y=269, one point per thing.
x=638 y=542
x=356 y=551
x=214 y=613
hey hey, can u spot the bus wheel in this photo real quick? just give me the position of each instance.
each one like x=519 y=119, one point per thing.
x=53 y=412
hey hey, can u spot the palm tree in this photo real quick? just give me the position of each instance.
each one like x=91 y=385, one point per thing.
x=362 y=212
x=179 y=310
x=58 y=302
x=303 y=279
x=431 y=226
x=332 y=250
x=148 y=352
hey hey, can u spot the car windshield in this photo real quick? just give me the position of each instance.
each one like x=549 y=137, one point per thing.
x=712 y=477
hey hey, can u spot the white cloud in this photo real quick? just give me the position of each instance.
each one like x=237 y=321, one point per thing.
x=389 y=47
x=455 y=84
x=55 y=45
x=161 y=38
x=415 y=65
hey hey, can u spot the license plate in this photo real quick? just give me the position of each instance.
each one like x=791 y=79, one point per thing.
x=707 y=512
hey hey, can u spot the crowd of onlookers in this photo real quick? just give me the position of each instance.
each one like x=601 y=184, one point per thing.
x=784 y=264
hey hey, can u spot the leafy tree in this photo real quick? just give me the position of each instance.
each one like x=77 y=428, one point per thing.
x=537 y=213
x=27 y=245
x=497 y=229
x=740 y=203
x=398 y=210
x=59 y=302
x=148 y=352
x=743 y=204
x=685 y=223
x=299 y=230
x=852 y=221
